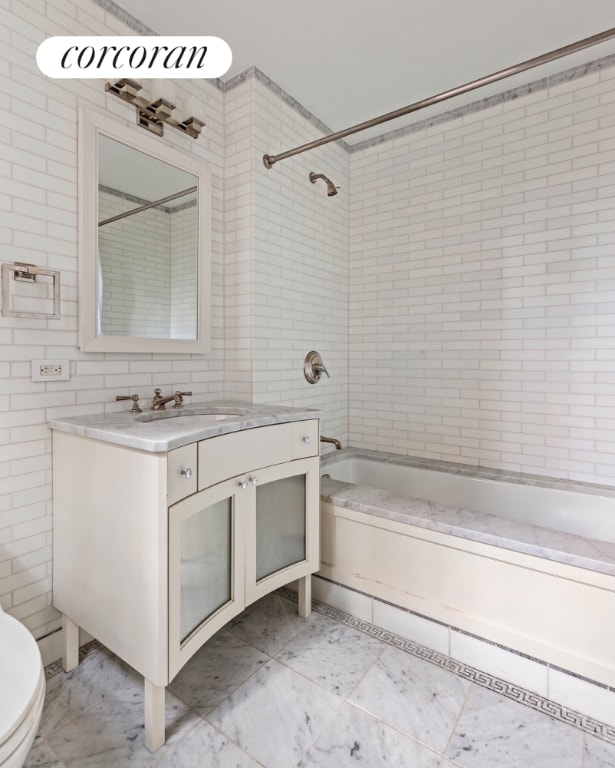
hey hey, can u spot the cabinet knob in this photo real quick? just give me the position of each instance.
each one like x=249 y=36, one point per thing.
x=187 y=473
x=243 y=484
x=254 y=480
x=307 y=439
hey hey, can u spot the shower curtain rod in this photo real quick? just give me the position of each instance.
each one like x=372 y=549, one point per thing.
x=270 y=160
x=162 y=200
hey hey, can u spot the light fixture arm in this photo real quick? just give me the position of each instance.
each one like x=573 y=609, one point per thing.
x=153 y=115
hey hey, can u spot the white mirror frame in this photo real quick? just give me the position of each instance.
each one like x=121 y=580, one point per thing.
x=91 y=124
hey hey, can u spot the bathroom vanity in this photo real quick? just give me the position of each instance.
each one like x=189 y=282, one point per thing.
x=168 y=524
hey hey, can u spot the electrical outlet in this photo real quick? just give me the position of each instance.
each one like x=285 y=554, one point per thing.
x=50 y=370
x=53 y=369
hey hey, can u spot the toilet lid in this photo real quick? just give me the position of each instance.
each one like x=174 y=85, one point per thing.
x=20 y=673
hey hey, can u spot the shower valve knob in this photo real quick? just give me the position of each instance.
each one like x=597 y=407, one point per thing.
x=314 y=367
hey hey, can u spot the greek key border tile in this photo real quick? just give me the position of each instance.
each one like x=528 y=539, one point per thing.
x=511 y=691
x=528 y=698
x=51 y=670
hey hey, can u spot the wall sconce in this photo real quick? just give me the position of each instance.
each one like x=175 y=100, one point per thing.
x=153 y=115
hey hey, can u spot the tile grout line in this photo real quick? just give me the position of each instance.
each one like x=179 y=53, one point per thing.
x=455 y=726
x=523 y=696
x=43 y=739
x=511 y=691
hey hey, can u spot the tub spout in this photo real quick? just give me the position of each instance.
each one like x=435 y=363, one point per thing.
x=333 y=440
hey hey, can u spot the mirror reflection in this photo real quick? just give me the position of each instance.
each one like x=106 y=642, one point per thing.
x=148 y=218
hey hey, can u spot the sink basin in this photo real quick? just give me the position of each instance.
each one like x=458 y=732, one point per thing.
x=201 y=418
x=196 y=418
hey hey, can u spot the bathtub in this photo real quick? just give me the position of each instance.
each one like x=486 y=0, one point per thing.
x=516 y=560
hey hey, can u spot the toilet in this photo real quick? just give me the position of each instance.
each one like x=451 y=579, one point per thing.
x=22 y=691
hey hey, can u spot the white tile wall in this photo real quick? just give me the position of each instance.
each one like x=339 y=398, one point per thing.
x=279 y=289
x=38 y=224
x=135 y=279
x=184 y=234
x=287 y=252
x=238 y=219
x=482 y=270
x=300 y=265
x=472 y=322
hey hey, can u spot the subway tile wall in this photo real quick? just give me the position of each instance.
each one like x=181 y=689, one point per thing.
x=278 y=290
x=38 y=210
x=238 y=220
x=184 y=299
x=473 y=321
x=300 y=264
x=286 y=259
x=482 y=286
x=134 y=278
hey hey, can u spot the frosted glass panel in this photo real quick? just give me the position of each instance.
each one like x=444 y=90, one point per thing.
x=280 y=524
x=205 y=564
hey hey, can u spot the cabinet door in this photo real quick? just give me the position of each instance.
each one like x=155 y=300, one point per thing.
x=282 y=538
x=206 y=567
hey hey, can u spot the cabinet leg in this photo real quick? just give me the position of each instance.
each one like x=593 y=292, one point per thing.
x=305 y=596
x=154 y=716
x=70 y=657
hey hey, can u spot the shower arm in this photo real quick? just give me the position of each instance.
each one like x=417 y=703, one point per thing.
x=545 y=58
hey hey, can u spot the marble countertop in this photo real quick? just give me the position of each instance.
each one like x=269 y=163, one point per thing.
x=161 y=431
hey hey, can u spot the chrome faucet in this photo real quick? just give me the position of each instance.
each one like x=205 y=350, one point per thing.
x=159 y=402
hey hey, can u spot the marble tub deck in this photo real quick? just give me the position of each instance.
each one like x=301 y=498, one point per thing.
x=277 y=691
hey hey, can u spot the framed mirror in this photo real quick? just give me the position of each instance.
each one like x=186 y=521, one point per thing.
x=144 y=242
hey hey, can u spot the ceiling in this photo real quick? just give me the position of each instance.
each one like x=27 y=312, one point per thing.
x=347 y=61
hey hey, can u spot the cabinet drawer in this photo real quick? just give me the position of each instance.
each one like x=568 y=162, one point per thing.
x=305 y=439
x=181 y=473
x=238 y=452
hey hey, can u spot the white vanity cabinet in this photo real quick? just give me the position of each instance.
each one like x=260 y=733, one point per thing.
x=155 y=551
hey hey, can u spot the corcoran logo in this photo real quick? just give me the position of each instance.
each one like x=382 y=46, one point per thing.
x=146 y=57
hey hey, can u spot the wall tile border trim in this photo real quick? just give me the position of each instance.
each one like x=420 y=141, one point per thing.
x=453 y=114
x=517 y=693
x=491 y=101
x=523 y=696
x=138 y=26
x=131 y=21
x=502 y=647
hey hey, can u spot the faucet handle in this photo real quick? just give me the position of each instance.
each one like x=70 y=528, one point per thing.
x=314 y=367
x=135 y=402
x=179 y=398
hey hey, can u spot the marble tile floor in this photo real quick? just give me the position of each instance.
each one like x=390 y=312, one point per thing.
x=274 y=690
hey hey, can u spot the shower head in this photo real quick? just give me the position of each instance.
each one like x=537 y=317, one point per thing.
x=331 y=188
